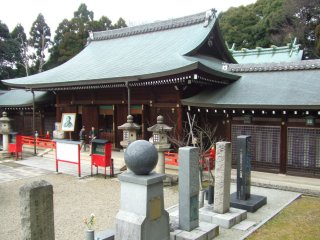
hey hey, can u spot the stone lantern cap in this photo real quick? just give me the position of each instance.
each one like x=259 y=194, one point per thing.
x=4 y=118
x=129 y=125
x=160 y=126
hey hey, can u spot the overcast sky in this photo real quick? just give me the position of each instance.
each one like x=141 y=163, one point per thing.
x=133 y=12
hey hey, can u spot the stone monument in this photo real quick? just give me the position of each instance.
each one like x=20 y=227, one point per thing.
x=141 y=215
x=222 y=178
x=188 y=188
x=160 y=141
x=5 y=129
x=36 y=209
x=221 y=213
x=185 y=222
x=243 y=198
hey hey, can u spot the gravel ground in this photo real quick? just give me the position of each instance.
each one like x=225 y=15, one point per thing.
x=74 y=199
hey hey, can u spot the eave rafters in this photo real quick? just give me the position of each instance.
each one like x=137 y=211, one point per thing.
x=185 y=79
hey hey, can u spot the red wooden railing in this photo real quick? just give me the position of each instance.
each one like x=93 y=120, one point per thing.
x=206 y=160
x=171 y=158
x=40 y=142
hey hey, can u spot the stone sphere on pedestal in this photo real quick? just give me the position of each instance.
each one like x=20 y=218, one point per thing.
x=141 y=157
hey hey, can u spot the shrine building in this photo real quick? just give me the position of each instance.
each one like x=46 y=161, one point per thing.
x=183 y=65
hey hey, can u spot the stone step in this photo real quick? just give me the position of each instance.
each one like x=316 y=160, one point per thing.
x=4 y=155
x=226 y=220
x=205 y=230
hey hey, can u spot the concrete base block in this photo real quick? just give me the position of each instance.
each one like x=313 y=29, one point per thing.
x=105 y=235
x=170 y=180
x=173 y=235
x=195 y=234
x=244 y=225
x=251 y=205
x=205 y=230
x=226 y=220
x=4 y=155
x=212 y=230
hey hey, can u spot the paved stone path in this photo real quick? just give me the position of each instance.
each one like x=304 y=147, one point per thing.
x=10 y=171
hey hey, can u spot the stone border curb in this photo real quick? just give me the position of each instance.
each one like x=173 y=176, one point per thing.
x=269 y=218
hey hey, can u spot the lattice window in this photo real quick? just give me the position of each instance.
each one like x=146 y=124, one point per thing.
x=303 y=148
x=265 y=144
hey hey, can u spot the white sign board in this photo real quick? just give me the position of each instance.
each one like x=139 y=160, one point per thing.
x=67 y=152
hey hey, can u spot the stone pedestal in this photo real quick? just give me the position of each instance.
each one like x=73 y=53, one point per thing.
x=243 y=198
x=5 y=142
x=160 y=168
x=251 y=204
x=161 y=148
x=142 y=215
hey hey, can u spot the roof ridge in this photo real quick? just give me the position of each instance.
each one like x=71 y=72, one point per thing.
x=267 y=67
x=154 y=26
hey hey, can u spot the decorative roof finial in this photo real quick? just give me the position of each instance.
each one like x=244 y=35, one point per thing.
x=210 y=14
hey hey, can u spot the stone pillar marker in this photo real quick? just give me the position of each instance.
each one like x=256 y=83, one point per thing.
x=243 y=167
x=36 y=209
x=142 y=215
x=222 y=178
x=188 y=188
x=221 y=213
x=243 y=198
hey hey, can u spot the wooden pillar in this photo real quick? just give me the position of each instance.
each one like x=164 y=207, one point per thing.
x=228 y=128
x=179 y=121
x=283 y=146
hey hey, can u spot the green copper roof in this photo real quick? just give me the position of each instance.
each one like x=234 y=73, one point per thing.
x=135 y=53
x=22 y=98
x=294 y=89
x=274 y=54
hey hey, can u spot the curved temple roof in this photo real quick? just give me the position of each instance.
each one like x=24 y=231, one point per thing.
x=276 y=86
x=22 y=98
x=135 y=53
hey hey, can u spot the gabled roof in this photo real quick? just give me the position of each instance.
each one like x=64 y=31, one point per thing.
x=281 y=66
x=22 y=98
x=277 y=89
x=142 y=52
x=274 y=54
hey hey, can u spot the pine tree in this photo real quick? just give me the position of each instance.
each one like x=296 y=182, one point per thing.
x=40 y=40
x=8 y=53
x=20 y=36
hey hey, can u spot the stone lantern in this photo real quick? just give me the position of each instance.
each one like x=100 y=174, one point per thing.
x=160 y=141
x=129 y=131
x=5 y=129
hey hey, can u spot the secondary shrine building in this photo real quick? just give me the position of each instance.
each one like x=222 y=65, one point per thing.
x=182 y=65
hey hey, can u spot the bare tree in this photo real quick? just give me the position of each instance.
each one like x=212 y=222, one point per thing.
x=199 y=134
